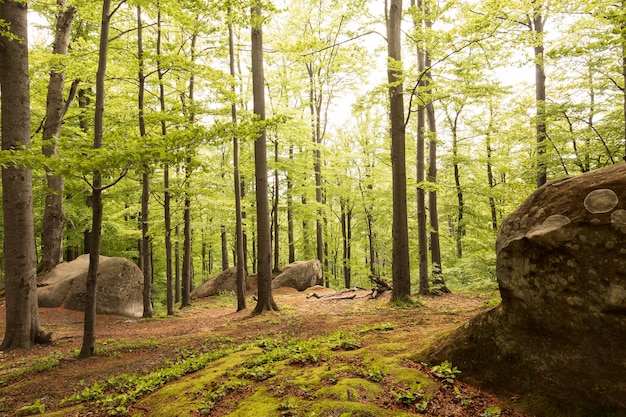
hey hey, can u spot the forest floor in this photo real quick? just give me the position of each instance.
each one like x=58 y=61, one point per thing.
x=314 y=358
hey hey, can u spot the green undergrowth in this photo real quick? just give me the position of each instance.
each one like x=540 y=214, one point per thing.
x=337 y=374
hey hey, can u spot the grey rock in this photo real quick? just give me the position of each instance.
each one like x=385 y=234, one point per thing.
x=560 y=330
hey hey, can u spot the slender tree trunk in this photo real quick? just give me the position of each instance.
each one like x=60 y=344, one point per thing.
x=490 y=178
x=224 y=240
x=435 y=247
x=56 y=107
x=146 y=264
x=187 y=249
x=420 y=166
x=460 y=228
x=167 y=215
x=346 y=234
x=315 y=108
x=400 y=258
x=22 y=329
x=187 y=266
x=537 y=25
x=177 y=283
x=89 y=333
x=276 y=251
x=290 y=225
x=264 y=276
x=240 y=259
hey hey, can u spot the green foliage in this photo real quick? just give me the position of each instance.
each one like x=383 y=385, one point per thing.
x=373 y=372
x=115 y=393
x=342 y=340
x=29 y=410
x=446 y=372
x=491 y=412
x=413 y=396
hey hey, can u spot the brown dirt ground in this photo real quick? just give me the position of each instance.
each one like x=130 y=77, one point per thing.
x=188 y=328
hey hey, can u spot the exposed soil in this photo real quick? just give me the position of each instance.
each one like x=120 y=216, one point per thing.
x=50 y=373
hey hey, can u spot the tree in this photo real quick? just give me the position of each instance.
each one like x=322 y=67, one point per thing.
x=240 y=259
x=400 y=264
x=144 y=248
x=56 y=108
x=89 y=332
x=20 y=263
x=264 y=270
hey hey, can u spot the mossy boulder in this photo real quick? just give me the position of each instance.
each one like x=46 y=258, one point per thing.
x=560 y=330
x=300 y=275
x=119 y=286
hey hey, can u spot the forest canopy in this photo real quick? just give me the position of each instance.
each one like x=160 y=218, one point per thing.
x=503 y=95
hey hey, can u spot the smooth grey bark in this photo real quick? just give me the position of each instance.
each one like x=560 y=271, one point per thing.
x=400 y=252
x=89 y=332
x=167 y=198
x=56 y=108
x=240 y=259
x=22 y=329
x=537 y=25
x=264 y=269
x=144 y=247
x=420 y=167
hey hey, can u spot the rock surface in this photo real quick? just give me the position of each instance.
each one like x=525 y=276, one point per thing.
x=119 y=286
x=224 y=281
x=560 y=330
x=300 y=275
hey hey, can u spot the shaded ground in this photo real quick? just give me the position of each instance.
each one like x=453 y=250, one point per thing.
x=369 y=373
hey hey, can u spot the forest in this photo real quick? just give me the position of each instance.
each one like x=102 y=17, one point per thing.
x=432 y=120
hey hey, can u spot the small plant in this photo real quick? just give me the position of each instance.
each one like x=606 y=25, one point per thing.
x=258 y=373
x=446 y=372
x=29 y=410
x=409 y=397
x=344 y=341
x=381 y=327
x=464 y=398
x=286 y=409
x=491 y=412
x=372 y=373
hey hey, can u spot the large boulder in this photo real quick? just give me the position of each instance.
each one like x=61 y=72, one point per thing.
x=224 y=281
x=560 y=330
x=119 y=286
x=300 y=275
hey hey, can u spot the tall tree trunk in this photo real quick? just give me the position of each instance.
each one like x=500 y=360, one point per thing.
x=435 y=247
x=187 y=266
x=240 y=259
x=187 y=249
x=276 y=251
x=167 y=214
x=460 y=228
x=400 y=257
x=537 y=25
x=20 y=263
x=420 y=167
x=290 y=225
x=490 y=178
x=315 y=108
x=346 y=234
x=146 y=264
x=224 y=240
x=56 y=107
x=89 y=333
x=264 y=275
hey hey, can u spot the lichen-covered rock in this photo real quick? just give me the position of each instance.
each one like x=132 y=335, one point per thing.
x=224 y=281
x=119 y=286
x=561 y=266
x=299 y=275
